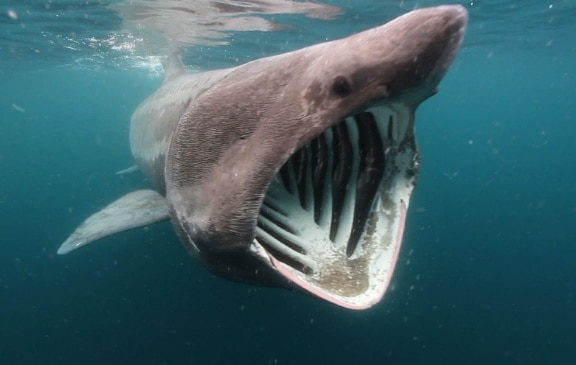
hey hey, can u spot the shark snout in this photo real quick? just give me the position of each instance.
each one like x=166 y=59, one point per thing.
x=424 y=44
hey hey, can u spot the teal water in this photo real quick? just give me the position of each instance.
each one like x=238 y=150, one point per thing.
x=487 y=272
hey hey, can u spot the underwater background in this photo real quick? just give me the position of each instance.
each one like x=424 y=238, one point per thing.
x=487 y=271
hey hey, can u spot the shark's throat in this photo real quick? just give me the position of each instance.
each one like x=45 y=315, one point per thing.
x=332 y=218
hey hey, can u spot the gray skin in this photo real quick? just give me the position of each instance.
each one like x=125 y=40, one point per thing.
x=213 y=144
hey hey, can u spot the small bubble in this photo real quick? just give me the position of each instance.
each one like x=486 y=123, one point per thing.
x=12 y=14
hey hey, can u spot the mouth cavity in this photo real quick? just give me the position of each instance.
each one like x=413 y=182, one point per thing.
x=332 y=217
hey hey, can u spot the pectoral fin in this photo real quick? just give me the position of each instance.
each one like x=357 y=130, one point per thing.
x=128 y=170
x=133 y=210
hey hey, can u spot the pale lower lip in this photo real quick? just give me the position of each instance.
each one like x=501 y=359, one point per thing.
x=286 y=271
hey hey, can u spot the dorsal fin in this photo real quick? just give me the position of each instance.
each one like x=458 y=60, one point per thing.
x=173 y=66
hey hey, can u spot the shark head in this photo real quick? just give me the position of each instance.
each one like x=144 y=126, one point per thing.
x=296 y=170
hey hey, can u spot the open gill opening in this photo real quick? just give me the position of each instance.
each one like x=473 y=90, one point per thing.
x=320 y=165
x=297 y=262
x=330 y=185
x=343 y=158
x=371 y=171
x=276 y=218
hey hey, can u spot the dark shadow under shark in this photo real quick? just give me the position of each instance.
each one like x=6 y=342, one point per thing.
x=294 y=170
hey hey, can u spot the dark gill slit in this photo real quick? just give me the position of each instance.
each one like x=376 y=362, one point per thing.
x=343 y=159
x=302 y=176
x=319 y=160
x=287 y=260
x=371 y=171
x=285 y=172
x=275 y=221
x=278 y=236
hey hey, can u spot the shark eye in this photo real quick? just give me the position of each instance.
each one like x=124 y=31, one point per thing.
x=341 y=87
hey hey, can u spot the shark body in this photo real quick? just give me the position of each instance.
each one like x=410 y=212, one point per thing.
x=294 y=170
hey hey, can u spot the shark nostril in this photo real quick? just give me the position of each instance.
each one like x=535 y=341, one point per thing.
x=341 y=86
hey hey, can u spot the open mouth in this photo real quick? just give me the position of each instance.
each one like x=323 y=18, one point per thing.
x=332 y=218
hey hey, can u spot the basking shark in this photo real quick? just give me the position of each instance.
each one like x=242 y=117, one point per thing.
x=294 y=170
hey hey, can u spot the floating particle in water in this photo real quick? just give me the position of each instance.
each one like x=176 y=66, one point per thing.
x=12 y=14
